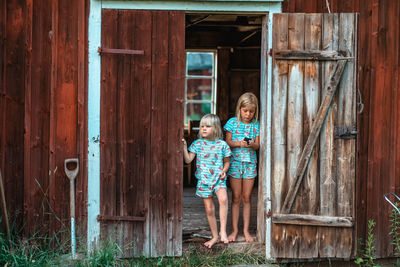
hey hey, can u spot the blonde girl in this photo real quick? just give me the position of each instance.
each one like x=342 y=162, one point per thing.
x=212 y=162
x=243 y=136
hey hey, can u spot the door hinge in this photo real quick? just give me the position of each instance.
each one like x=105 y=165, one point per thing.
x=268 y=214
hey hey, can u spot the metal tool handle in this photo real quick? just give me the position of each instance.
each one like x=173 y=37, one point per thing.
x=71 y=174
x=390 y=202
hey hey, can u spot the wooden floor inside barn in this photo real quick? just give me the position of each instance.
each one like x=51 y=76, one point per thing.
x=195 y=225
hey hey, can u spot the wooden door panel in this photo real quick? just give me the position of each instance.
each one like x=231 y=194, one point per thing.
x=141 y=116
x=313 y=173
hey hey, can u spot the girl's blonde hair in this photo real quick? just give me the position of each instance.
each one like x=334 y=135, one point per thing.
x=247 y=99
x=213 y=121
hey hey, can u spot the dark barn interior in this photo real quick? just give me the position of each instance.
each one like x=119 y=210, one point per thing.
x=237 y=42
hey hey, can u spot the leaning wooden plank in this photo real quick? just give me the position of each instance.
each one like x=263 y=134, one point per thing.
x=305 y=156
x=310 y=55
x=315 y=220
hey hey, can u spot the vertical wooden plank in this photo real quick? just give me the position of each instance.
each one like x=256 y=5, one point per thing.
x=158 y=142
x=392 y=39
x=396 y=99
x=64 y=106
x=375 y=128
x=312 y=87
x=108 y=153
x=137 y=188
x=390 y=82
x=295 y=125
x=176 y=69
x=123 y=198
x=327 y=162
x=53 y=89
x=81 y=181
x=346 y=148
x=364 y=55
x=13 y=83
x=278 y=131
x=29 y=187
x=3 y=58
x=383 y=120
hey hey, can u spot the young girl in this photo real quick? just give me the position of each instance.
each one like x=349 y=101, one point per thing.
x=212 y=163
x=243 y=136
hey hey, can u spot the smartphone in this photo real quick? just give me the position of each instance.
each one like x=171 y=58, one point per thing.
x=247 y=140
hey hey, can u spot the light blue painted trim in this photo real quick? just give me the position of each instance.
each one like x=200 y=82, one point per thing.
x=267 y=151
x=194 y=6
x=93 y=226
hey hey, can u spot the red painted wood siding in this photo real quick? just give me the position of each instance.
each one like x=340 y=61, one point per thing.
x=378 y=164
x=43 y=103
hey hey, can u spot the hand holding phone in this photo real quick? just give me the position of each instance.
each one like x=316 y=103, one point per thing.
x=247 y=140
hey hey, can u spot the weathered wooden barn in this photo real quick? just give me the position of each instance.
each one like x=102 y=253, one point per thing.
x=105 y=82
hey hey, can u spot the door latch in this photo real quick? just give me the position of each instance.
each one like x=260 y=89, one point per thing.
x=345 y=132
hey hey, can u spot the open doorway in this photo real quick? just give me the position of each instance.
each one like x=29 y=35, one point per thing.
x=223 y=62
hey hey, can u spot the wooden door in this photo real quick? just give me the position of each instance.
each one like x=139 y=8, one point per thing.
x=313 y=138
x=142 y=83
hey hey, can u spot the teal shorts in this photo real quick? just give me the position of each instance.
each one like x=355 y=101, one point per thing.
x=242 y=170
x=207 y=188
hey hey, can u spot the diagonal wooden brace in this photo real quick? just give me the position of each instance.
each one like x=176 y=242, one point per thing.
x=331 y=88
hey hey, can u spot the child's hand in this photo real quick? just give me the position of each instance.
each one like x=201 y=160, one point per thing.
x=222 y=175
x=243 y=143
x=184 y=143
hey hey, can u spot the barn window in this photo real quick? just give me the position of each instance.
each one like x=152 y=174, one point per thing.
x=200 y=85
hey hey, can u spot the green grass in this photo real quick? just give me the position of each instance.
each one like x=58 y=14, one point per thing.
x=48 y=251
x=199 y=256
x=36 y=251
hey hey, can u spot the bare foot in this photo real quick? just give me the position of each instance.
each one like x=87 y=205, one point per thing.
x=224 y=238
x=232 y=237
x=248 y=237
x=211 y=242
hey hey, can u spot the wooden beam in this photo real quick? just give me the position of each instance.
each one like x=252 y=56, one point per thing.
x=120 y=218
x=331 y=87
x=312 y=220
x=119 y=51
x=310 y=55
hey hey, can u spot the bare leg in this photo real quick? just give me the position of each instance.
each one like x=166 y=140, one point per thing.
x=247 y=188
x=236 y=185
x=223 y=213
x=212 y=221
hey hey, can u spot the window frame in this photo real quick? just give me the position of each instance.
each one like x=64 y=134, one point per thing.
x=213 y=78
